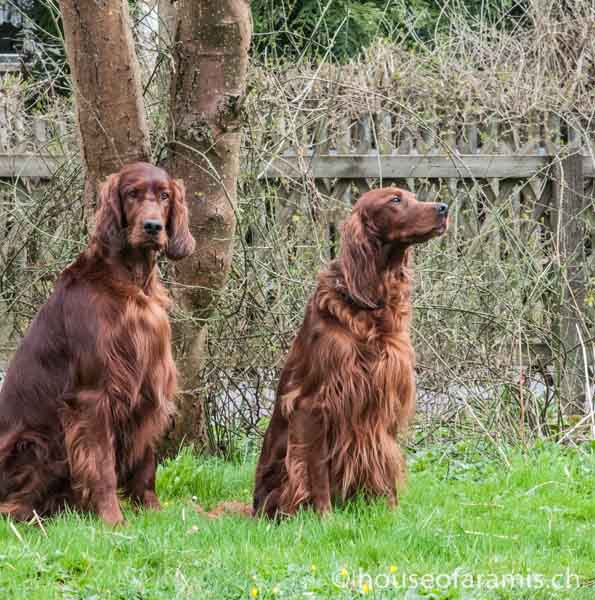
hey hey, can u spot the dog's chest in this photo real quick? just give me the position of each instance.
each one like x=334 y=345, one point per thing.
x=144 y=344
x=147 y=325
x=138 y=352
x=389 y=364
x=390 y=353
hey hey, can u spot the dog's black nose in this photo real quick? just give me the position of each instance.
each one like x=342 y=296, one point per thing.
x=152 y=227
x=442 y=209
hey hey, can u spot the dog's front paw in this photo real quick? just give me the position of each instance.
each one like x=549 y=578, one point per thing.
x=151 y=501
x=110 y=512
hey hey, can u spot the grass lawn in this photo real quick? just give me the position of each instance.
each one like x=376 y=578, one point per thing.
x=464 y=515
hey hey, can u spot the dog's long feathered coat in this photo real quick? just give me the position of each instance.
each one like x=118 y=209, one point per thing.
x=90 y=389
x=347 y=389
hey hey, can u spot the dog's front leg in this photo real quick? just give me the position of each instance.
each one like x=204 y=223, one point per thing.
x=88 y=436
x=308 y=461
x=141 y=485
x=318 y=461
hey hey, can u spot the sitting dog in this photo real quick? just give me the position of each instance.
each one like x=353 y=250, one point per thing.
x=89 y=391
x=347 y=389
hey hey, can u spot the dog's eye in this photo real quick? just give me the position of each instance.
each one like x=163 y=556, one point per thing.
x=164 y=195
x=132 y=193
x=396 y=199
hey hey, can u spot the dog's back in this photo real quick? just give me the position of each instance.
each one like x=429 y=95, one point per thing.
x=32 y=455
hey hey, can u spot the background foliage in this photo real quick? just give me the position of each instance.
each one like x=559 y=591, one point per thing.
x=499 y=63
x=339 y=29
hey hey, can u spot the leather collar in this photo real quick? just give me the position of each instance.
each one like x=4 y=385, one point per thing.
x=349 y=299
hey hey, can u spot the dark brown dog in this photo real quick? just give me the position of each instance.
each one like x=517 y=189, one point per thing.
x=90 y=388
x=347 y=389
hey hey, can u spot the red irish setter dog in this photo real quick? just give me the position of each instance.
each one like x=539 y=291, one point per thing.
x=89 y=391
x=347 y=389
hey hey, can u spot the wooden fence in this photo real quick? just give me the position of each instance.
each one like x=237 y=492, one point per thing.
x=29 y=146
x=536 y=175
x=533 y=179
x=539 y=173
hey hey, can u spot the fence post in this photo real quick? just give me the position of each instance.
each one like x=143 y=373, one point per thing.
x=568 y=237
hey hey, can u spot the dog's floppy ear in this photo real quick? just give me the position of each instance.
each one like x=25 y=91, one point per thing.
x=360 y=255
x=109 y=218
x=180 y=241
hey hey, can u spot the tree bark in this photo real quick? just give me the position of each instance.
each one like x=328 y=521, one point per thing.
x=107 y=87
x=207 y=91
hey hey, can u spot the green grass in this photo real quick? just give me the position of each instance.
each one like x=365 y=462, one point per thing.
x=463 y=513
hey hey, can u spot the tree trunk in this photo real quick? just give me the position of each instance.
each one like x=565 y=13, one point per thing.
x=107 y=87
x=207 y=90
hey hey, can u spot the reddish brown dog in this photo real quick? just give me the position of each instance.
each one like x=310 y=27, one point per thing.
x=89 y=391
x=347 y=389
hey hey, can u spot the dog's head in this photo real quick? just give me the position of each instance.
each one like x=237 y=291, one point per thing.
x=142 y=207
x=381 y=220
x=395 y=216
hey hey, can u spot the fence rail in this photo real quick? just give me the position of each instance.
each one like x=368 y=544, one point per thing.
x=17 y=166
x=405 y=166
